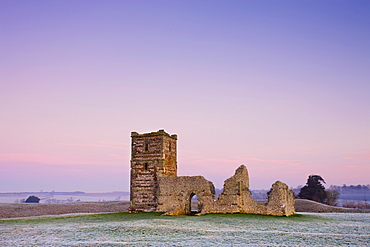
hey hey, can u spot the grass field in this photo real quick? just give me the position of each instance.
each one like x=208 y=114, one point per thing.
x=151 y=229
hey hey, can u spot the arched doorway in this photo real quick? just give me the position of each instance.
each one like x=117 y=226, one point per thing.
x=194 y=204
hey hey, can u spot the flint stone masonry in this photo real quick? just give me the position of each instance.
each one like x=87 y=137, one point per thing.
x=155 y=186
x=153 y=155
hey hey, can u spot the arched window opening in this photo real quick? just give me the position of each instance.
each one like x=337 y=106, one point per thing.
x=194 y=204
x=146 y=166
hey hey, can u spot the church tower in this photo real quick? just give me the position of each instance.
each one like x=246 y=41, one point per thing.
x=152 y=155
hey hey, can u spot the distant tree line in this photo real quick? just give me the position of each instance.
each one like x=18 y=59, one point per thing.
x=356 y=204
x=350 y=187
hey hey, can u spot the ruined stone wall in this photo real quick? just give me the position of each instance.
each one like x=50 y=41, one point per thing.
x=175 y=195
x=236 y=197
x=281 y=200
x=155 y=185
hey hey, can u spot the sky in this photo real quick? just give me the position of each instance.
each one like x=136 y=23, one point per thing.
x=282 y=87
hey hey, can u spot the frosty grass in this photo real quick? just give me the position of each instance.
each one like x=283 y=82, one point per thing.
x=151 y=229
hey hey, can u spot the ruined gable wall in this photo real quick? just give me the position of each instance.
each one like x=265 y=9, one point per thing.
x=236 y=197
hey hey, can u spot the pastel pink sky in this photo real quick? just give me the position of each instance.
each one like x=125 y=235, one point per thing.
x=282 y=87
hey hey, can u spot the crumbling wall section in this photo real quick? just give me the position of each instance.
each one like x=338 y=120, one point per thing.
x=175 y=193
x=281 y=200
x=174 y=196
x=236 y=196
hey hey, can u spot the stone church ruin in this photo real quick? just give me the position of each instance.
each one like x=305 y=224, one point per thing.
x=155 y=186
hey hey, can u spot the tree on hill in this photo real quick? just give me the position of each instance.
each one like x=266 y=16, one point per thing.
x=32 y=199
x=313 y=190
